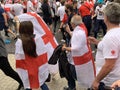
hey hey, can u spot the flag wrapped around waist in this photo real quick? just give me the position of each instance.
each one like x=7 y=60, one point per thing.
x=82 y=57
x=28 y=67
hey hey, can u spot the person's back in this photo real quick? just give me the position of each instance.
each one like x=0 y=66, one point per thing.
x=61 y=12
x=39 y=64
x=46 y=10
x=17 y=9
x=85 y=12
x=84 y=9
x=31 y=58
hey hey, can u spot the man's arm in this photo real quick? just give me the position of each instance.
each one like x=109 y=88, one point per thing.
x=66 y=48
x=106 y=69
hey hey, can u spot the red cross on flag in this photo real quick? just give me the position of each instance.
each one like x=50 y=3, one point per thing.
x=28 y=67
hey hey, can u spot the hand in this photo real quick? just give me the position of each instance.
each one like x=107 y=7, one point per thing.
x=93 y=40
x=64 y=47
x=6 y=24
x=92 y=17
x=95 y=85
x=116 y=84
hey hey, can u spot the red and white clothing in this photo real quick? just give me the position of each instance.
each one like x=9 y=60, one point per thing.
x=85 y=9
x=108 y=48
x=32 y=71
x=46 y=43
x=8 y=9
x=81 y=57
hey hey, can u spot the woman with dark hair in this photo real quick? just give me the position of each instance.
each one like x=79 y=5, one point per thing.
x=30 y=63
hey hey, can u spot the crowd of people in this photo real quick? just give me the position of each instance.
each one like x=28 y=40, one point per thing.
x=33 y=23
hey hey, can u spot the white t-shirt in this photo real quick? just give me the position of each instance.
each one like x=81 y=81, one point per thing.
x=78 y=44
x=109 y=48
x=61 y=12
x=18 y=9
x=29 y=6
x=99 y=12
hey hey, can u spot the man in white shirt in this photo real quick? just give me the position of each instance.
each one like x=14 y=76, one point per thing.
x=79 y=55
x=61 y=10
x=100 y=19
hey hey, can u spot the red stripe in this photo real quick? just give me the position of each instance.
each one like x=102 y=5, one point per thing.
x=82 y=59
x=85 y=29
x=7 y=9
x=32 y=65
x=48 y=37
x=87 y=56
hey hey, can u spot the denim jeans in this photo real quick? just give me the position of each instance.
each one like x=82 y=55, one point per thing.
x=88 y=23
x=44 y=87
x=72 y=78
x=99 y=23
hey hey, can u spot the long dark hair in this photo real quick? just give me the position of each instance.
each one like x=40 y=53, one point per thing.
x=27 y=37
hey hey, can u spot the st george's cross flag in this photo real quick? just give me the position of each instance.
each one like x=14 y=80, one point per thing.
x=82 y=57
x=28 y=67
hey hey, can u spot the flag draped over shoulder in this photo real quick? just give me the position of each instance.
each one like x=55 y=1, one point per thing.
x=41 y=29
x=28 y=67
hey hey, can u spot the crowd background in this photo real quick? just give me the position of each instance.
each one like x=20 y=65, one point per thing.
x=57 y=15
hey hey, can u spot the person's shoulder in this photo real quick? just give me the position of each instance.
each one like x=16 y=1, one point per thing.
x=79 y=30
x=113 y=34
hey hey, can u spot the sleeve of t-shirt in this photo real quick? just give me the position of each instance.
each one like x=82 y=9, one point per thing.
x=110 y=48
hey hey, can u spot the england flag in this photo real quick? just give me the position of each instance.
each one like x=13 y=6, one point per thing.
x=45 y=45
